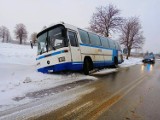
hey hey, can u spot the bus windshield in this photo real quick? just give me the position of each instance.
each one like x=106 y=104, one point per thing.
x=52 y=39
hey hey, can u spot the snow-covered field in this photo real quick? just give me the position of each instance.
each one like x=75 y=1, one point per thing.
x=18 y=75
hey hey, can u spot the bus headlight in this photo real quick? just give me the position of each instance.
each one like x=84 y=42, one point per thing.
x=48 y=62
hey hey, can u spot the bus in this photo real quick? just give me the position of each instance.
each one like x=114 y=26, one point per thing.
x=64 y=47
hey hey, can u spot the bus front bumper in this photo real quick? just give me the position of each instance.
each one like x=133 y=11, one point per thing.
x=60 y=67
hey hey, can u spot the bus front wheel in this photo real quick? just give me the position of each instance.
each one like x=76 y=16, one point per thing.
x=87 y=66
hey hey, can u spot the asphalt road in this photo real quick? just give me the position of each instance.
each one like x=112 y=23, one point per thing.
x=132 y=93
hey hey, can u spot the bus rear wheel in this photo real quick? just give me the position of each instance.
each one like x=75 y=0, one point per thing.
x=87 y=66
x=115 y=62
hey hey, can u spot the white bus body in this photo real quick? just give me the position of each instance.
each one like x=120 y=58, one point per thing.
x=65 y=47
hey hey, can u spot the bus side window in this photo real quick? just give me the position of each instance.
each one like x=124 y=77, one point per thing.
x=118 y=46
x=105 y=43
x=84 y=37
x=94 y=39
x=112 y=44
x=115 y=44
x=73 y=38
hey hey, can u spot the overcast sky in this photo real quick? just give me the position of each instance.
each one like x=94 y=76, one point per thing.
x=37 y=13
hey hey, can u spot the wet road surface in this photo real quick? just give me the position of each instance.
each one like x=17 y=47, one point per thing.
x=132 y=93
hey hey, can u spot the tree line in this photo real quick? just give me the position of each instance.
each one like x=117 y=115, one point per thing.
x=107 y=20
x=20 y=33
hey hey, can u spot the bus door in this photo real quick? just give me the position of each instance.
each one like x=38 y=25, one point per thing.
x=74 y=48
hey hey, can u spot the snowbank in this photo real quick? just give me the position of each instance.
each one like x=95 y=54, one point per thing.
x=131 y=61
x=18 y=75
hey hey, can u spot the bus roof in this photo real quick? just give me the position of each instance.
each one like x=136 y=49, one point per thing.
x=70 y=27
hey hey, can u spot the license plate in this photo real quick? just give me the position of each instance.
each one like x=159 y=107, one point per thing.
x=61 y=59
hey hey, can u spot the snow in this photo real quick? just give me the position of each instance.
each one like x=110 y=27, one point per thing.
x=105 y=71
x=131 y=61
x=18 y=75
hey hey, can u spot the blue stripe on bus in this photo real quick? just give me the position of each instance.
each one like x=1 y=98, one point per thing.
x=102 y=63
x=75 y=66
x=77 y=62
x=82 y=44
x=62 y=67
x=115 y=53
x=51 y=54
x=59 y=52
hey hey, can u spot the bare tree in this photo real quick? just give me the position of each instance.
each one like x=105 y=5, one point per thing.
x=131 y=34
x=105 y=20
x=20 y=32
x=4 y=34
x=3 y=30
x=8 y=36
x=34 y=37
